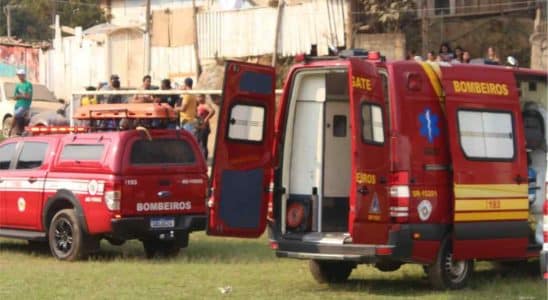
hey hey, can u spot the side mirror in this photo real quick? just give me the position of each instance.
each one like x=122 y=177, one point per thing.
x=512 y=61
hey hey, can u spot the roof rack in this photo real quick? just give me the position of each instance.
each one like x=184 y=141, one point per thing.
x=126 y=111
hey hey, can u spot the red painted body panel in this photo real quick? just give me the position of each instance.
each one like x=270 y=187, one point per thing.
x=75 y=176
x=240 y=156
x=492 y=248
x=425 y=251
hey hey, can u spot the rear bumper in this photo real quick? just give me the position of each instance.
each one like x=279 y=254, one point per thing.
x=139 y=227
x=306 y=250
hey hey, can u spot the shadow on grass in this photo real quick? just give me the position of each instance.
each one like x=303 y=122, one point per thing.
x=202 y=250
x=24 y=247
x=417 y=283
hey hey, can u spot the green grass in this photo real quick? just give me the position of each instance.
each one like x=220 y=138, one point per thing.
x=248 y=266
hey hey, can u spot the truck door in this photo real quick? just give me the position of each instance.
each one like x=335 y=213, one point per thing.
x=368 y=195
x=242 y=164
x=489 y=163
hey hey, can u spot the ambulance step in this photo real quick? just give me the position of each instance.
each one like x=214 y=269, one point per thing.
x=23 y=234
x=327 y=238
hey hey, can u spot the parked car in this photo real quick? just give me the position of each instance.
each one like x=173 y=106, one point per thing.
x=43 y=100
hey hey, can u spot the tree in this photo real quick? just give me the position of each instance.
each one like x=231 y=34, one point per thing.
x=386 y=16
x=31 y=19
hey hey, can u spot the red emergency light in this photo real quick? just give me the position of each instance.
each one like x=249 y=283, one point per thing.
x=36 y=130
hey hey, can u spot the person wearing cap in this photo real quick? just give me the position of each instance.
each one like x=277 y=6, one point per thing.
x=188 y=108
x=23 y=100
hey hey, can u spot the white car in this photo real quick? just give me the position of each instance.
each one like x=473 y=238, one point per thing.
x=43 y=100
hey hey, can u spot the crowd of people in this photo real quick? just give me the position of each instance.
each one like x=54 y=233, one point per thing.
x=458 y=55
x=194 y=112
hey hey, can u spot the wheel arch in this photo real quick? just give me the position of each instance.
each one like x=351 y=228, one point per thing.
x=63 y=199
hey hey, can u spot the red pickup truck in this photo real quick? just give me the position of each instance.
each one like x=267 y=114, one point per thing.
x=75 y=189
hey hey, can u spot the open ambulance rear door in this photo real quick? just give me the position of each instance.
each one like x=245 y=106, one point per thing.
x=369 y=207
x=489 y=162
x=242 y=164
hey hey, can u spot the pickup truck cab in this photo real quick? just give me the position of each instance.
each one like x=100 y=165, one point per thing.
x=76 y=188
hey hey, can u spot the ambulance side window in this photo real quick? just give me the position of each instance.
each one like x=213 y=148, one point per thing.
x=372 y=124
x=32 y=156
x=246 y=123
x=486 y=135
x=6 y=154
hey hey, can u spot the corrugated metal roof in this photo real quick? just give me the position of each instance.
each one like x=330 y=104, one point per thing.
x=251 y=32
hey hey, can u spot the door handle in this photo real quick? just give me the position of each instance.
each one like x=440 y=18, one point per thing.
x=519 y=179
x=363 y=190
x=32 y=179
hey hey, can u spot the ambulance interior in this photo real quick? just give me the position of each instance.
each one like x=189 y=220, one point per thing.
x=316 y=155
x=534 y=103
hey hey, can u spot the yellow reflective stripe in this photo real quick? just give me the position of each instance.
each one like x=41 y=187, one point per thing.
x=491 y=216
x=433 y=72
x=491 y=204
x=490 y=190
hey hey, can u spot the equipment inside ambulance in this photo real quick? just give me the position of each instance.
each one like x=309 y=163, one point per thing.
x=383 y=163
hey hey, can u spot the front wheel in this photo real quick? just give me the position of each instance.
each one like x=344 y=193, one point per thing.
x=447 y=273
x=330 y=271
x=65 y=236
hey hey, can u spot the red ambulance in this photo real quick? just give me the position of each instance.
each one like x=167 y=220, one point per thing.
x=365 y=161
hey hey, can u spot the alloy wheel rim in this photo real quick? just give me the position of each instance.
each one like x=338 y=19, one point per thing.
x=63 y=236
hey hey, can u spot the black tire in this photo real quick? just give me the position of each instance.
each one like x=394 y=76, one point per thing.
x=325 y=271
x=445 y=273
x=66 y=237
x=162 y=249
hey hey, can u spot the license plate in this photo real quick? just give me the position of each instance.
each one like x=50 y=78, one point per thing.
x=162 y=223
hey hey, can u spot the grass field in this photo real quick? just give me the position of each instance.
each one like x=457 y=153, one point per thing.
x=249 y=267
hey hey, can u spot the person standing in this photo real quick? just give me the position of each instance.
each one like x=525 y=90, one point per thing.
x=205 y=112
x=147 y=86
x=492 y=57
x=23 y=97
x=187 y=109
x=173 y=99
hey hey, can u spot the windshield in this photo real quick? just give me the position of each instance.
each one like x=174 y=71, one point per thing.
x=39 y=92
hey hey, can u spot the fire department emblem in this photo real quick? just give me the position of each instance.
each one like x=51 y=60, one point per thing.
x=21 y=204
x=424 y=209
x=92 y=187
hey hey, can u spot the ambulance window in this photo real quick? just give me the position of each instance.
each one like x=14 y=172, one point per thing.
x=372 y=124
x=82 y=152
x=6 y=153
x=486 y=135
x=32 y=156
x=246 y=123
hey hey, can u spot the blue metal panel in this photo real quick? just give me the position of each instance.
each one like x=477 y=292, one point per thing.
x=258 y=83
x=241 y=198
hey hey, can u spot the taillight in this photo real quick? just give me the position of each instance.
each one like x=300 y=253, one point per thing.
x=112 y=199
x=113 y=195
x=399 y=197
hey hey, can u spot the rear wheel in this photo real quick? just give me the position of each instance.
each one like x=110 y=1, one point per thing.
x=65 y=236
x=446 y=273
x=330 y=271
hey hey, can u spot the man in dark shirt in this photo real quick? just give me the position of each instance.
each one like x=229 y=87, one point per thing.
x=172 y=100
